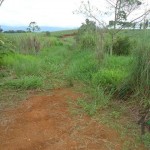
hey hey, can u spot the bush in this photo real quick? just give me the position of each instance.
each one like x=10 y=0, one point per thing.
x=122 y=46
x=86 y=36
x=87 y=41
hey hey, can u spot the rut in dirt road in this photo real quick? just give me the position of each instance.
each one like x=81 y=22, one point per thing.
x=45 y=123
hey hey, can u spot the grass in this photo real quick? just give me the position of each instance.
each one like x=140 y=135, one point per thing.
x=24 y=83
x=59 y=64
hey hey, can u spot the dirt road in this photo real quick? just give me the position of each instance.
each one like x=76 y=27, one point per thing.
x=45 y=123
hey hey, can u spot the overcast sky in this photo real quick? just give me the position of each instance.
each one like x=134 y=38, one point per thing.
x=45 y=12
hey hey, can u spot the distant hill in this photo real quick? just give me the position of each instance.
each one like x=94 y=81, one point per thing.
x=43 y=28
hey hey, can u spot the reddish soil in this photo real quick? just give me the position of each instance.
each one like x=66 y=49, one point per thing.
x=68 y=35
x=45 y=123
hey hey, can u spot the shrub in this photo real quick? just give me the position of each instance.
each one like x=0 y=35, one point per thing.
x=86 y=36
x=87 y=41
x=122 y=46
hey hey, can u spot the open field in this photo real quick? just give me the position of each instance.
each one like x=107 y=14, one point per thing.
x=41 y=63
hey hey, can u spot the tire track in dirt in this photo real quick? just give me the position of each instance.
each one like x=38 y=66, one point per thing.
x=44 y=123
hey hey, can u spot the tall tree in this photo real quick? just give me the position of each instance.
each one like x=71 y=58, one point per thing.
x=122 y=11
x=33 y=27
x=1 y=1
x=1 y=30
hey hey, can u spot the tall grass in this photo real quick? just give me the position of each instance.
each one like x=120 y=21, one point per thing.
x=25 y=83
x=33 y=43
x=23 y=64
x=140 y=76
x=83 y=65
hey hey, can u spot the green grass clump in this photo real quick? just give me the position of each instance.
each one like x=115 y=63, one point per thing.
x=138 y=80
x=54 y=59
x=23 y=64
x=146 y=140
x=112 y=72
x=25 y=83
x=82 y=67
x=122 y=46
x=108 y=78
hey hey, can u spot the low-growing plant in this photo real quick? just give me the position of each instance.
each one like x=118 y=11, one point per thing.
x=82 y=67
x=138 y=81
x=122 y=46
x=87 y=41
x=23 y=64
x=6 y=47
x=146 y=140
x=86 y=37
x=25 y=83
x=28 y=44
x=108 y=78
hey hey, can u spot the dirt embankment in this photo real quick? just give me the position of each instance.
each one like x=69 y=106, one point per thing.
x=45 y=123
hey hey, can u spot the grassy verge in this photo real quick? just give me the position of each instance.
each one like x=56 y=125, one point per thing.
x=60 y=65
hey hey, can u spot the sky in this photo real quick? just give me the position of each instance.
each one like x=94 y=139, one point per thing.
x=57 y=13
x=44 y=12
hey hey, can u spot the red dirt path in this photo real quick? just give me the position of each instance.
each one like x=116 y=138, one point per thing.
x=45 y=123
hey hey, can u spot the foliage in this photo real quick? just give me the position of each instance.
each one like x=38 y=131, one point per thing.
x=82 y=67
x=47 y=33
x=138 y=80
x=33 y=43
x=140 y=76
x=122 y=46
x=33 y=27
x=108 y=78
x=6 y=47
x=86 y=36
x=146 y=139
x=23 y=64
x=123 y=9
x=29 y=44
x=25 y=82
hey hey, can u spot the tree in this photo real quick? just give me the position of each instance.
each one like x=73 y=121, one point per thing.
x=122 y=10
x=1 y=30
x=146 y=23
x=1 y=1
x=141 y=25
x=33 y=27
x=88 y=26
x=86 y=35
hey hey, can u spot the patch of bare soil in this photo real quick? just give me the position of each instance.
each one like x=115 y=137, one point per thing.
x=44 y=123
